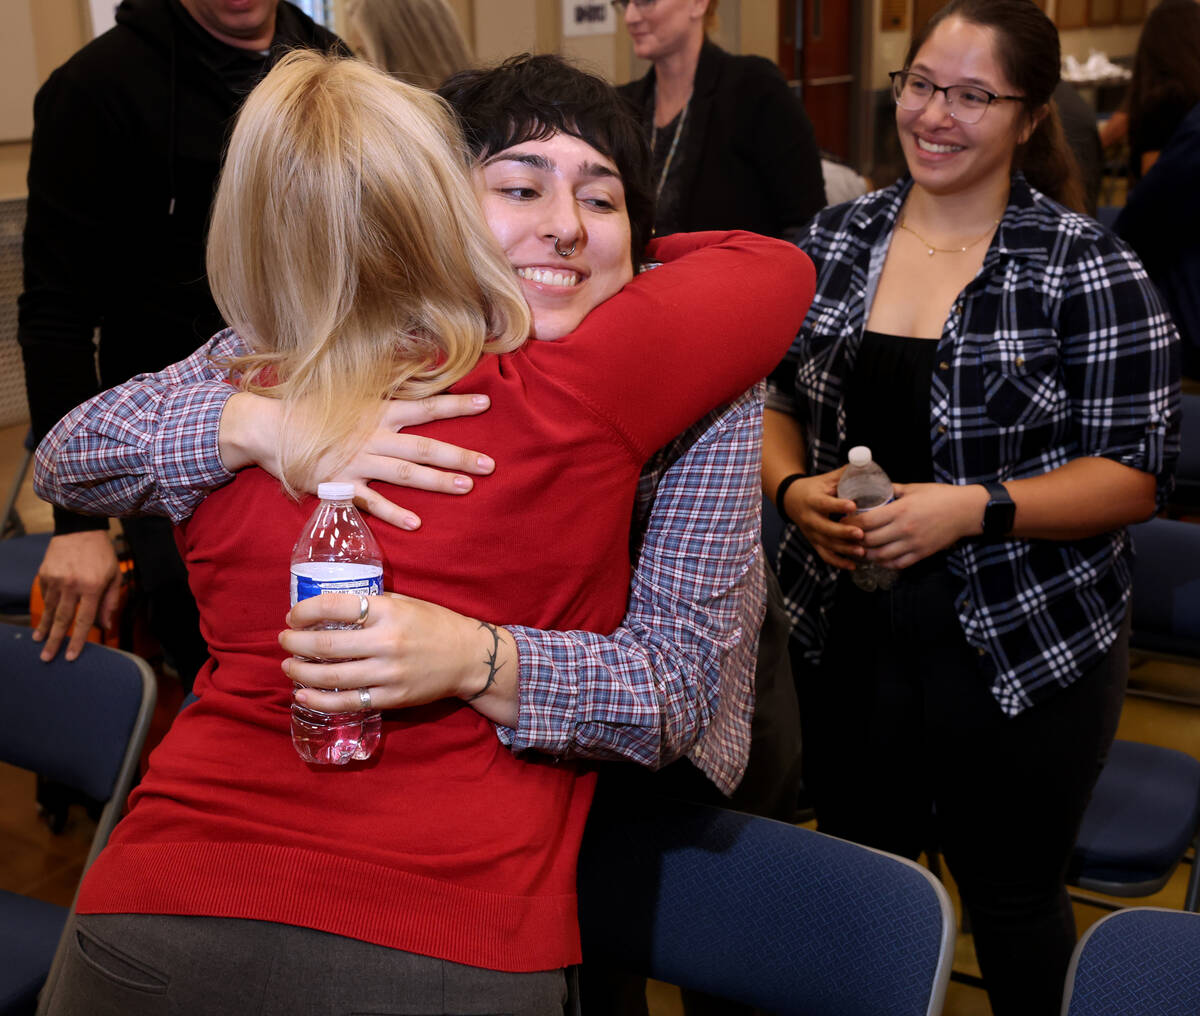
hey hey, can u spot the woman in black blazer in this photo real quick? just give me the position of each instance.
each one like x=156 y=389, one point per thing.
x=733 y=147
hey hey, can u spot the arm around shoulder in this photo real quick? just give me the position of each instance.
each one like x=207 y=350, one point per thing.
x=148 y=446
x=693 y=334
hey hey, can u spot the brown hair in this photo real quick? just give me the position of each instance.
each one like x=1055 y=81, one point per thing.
x=348 y=249
x=1028 y=49
x=418 y=41
x=1166 y=67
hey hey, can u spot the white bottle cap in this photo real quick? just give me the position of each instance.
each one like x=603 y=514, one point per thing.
x=335 y=491
x=860 y=455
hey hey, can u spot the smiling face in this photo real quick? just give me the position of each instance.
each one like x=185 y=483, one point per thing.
x=561 y=188
x=945 y=156
x=665 y=27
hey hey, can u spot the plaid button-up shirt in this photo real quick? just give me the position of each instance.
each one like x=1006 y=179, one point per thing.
x=676 y=678
x=1059 y=348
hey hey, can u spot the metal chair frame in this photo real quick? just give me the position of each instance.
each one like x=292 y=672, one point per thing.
x=73 y=699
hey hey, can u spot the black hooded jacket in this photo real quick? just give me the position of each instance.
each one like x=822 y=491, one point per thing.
x=127 y=145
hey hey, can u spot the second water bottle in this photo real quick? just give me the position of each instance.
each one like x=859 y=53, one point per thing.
x=866 y=484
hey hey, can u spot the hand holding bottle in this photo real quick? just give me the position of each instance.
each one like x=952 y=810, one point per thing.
x=825 y=519
x=409 y=652
x=923 y=519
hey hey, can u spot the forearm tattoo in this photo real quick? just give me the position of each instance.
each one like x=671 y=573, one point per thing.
x=490 y=660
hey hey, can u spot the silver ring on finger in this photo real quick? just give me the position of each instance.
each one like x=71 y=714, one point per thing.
x=364 y=605
x=364 y=698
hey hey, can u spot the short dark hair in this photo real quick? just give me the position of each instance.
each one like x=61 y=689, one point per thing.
x=530 y=97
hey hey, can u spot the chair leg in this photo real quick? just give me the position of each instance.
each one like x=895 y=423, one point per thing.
x=1192 y=898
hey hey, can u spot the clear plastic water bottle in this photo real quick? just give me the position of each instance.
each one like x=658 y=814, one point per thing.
x=336 y=553
x=866 y=484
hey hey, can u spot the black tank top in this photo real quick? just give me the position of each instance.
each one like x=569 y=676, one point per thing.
x=887 y=409
x=887 y=404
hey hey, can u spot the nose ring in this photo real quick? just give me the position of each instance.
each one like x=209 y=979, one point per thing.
x=562 y=253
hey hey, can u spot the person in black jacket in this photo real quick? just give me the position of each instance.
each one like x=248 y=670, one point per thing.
x=127 y=143
x=1166 y=80
x=1161 y=222
x=733 y=147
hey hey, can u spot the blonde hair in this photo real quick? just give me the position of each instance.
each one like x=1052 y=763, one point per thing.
x=418 y=41
x=710 y=16
x=348 y=249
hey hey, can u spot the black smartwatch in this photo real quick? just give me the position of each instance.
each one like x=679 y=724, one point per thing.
x=1000 y=512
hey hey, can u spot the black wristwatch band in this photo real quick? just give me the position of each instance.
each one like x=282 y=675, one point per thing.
x=999 y=513
x=782 y=490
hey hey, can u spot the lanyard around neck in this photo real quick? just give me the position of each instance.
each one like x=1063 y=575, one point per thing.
x=662 y=177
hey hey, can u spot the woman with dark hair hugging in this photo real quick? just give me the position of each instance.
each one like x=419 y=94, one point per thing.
x=349 y=256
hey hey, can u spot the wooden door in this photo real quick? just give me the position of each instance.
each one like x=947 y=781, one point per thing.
x=815 y=41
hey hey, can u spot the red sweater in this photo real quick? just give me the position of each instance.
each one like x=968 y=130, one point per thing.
x=445 y=843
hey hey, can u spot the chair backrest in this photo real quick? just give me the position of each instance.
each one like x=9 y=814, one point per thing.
x=1143 y=815
x=81 y=723
x=1187 y=471
x=1143 y=961
x=1166 y=587
x=762 y=912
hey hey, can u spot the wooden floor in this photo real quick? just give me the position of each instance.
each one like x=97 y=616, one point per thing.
x=35 y=862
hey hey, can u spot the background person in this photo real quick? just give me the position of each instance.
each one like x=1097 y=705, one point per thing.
x=1166 y=80
x=418 y=41
x=733 y=147
x=434 y=841
x=1161 y=221
x=1028 y=421
x=127 y=143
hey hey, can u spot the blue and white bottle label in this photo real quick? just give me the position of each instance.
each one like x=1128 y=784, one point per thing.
x=312 y=578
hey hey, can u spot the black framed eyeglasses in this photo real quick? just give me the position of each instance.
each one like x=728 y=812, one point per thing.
x=641 y=5
x=967 y=103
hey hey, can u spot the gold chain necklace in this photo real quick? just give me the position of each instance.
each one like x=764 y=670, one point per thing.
x=947 y=250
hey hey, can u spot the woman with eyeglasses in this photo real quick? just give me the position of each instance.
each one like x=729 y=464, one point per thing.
x=1010 y=366
x=733 y=147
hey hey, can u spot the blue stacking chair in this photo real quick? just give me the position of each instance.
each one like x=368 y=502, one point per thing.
x=81 y=724
x=1166 y=588
x=1143 y=817
x=20 y=553
x=761 y=912
x=1144 y=814
x=1143 y=961
x=1186 y=498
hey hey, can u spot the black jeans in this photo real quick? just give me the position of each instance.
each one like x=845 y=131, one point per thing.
x=905 y=748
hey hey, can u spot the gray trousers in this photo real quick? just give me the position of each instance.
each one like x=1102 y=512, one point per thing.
x=151 y=965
